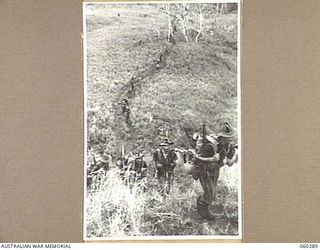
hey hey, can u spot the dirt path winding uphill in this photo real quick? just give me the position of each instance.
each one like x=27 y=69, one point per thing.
x=121 y=52
x=132 y=89
x=194 y=83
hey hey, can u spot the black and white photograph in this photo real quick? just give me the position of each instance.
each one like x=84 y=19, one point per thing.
x=162 y=120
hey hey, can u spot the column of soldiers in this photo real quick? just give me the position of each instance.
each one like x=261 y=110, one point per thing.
x=212 y=151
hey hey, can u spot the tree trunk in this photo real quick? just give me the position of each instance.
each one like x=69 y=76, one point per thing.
x=169 y=22
x=200 y=25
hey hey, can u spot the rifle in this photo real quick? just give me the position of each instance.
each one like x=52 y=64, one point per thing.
x=204 y=135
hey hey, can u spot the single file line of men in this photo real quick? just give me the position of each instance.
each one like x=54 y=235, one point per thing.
x=210 y=153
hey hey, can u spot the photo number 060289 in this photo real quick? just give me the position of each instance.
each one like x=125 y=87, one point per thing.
x=162 y=120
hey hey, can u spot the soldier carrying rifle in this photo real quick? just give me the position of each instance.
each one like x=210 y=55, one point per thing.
x=213 y=152
x=164 y=159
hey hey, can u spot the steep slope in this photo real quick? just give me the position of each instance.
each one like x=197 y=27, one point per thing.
x=195 y=83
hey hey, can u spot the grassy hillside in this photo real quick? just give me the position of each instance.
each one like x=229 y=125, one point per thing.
x=196 y=83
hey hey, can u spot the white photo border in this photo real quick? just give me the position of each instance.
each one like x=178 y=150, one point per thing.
x=239 y=121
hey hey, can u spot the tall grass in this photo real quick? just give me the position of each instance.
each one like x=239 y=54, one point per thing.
x=115 y=209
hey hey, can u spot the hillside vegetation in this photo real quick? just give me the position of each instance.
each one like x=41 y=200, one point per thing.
x=196 y=83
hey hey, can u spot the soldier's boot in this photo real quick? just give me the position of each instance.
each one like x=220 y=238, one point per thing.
x=203 y=210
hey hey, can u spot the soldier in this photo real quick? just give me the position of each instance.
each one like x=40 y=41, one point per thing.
x=98 y=167
x=102 y=161
x=165 y=161
x=132 y=88
x=140 y=167
x=158 y=62
x=213 y=152
x=132 y=82
x=127 y=116
x=126 y=110
x=126 y=167
x=124 y=105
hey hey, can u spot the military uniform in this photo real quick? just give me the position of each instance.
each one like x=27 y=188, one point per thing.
x=211 y=157
x=140 y=167
x=165 y=162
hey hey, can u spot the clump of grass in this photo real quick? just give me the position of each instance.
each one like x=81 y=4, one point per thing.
x=115 y=209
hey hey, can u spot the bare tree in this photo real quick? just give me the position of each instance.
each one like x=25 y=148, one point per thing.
x=221 y=8
x=182 y=16
x=190 y=19
x=167 y=11
x=200 y=27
